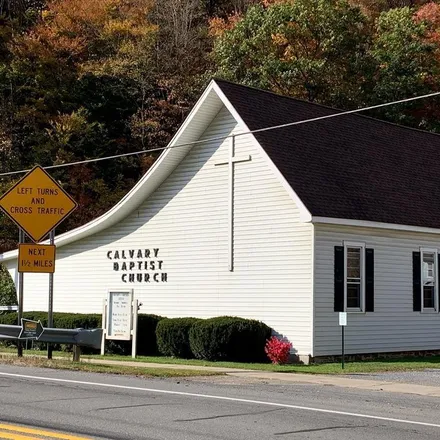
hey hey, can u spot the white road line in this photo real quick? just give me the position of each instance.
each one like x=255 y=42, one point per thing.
x=230 y=399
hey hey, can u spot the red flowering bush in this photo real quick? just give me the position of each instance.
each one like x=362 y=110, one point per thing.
x=277 y=350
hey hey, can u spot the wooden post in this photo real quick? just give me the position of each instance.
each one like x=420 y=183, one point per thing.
x=76 y=353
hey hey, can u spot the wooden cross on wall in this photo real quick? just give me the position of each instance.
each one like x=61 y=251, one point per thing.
x=232 y=160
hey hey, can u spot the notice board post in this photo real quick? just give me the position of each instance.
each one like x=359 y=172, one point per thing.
x=119 y=318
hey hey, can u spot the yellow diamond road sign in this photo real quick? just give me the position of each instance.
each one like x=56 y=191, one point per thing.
x=37 y=204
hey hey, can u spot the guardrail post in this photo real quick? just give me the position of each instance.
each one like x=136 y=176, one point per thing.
x=76 y=353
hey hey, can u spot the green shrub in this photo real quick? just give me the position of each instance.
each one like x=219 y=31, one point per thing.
x=147 y=344
x=9 y=318
x=77 y=320
x=229 y=338
x=173 y=337
x=8 y=295
x=146 y=338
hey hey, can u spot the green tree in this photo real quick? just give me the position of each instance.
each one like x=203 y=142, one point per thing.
x=314 y=50
x=8 y=295
x=375 y=7
x=407 y=66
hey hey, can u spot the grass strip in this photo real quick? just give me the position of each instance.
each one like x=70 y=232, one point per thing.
x=368 y=366
x=140 y=371
x=359 y=367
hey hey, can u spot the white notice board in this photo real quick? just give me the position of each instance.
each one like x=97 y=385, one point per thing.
x=343 y=318
x=119 y=314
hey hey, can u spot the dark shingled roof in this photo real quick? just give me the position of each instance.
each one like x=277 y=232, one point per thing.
x=350 y=167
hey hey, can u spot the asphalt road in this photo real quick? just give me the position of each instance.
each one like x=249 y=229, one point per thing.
x=113 y=407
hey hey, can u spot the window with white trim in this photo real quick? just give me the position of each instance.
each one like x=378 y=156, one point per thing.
x=354 y=286
x=429 y=281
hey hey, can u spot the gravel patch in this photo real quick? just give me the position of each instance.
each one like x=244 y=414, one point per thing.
x=429 y=376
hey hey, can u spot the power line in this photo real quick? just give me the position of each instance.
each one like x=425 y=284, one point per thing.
x=259 y=130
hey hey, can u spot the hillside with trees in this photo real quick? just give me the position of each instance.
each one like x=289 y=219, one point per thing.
x=82 y=79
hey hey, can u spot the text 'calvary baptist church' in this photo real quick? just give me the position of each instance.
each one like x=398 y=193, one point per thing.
x=138 y=265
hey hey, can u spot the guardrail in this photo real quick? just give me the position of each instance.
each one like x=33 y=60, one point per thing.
x=78 y=337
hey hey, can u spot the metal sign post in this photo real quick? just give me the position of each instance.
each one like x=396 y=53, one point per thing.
x=37 y=204
x=343 y=323
x=50 y=313
x=20 y=295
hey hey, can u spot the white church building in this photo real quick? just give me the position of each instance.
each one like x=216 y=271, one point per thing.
x=288 y=226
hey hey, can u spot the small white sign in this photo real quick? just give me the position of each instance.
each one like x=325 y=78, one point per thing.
x=119 y=315
x=343 y=318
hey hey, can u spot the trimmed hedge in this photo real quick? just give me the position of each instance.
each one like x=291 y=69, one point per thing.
x=173 y=337
x=229 y=338
x=147 y=324
x=11 y=318
x=147 y=343
x=60 y=320
x=222 y=338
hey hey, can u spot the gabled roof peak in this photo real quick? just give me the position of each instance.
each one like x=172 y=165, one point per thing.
x=347 y=167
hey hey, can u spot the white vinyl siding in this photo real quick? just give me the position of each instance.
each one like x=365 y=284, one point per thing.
x=393 y=326
x=186 y=218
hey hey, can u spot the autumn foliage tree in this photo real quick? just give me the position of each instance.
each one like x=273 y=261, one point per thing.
x=84 y=79
x=333 y=52
x=313 y=50
x=84 y=84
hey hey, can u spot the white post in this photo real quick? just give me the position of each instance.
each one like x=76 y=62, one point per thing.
x=134 y=331
x=104 y=326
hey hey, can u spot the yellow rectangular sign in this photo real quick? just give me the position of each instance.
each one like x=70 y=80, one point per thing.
x=36 y=258
x=37 y=204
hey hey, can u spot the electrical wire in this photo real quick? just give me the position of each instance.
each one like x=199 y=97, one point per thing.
x=259 y=130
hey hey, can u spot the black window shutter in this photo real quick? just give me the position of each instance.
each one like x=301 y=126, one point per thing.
x=437 y=277
x=339 y=278
x=369 y=280
x=417 y=291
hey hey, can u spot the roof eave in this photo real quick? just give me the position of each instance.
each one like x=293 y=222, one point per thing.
x=372 y=224
x=146 y=185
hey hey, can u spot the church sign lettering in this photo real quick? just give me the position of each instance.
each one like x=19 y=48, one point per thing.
x=138 y=265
